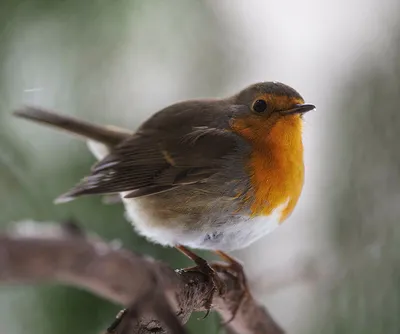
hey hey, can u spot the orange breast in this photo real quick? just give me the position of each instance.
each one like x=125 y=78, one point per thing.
x=276 y=164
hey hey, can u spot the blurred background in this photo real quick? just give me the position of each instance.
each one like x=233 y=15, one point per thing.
x=334 y=266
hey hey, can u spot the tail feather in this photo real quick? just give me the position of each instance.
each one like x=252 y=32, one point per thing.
x=100 y=140
x=84 y=129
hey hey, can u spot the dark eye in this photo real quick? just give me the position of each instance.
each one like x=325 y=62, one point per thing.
x=260 y=106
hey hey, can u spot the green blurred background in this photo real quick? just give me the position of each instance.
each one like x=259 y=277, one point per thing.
x=334 y=266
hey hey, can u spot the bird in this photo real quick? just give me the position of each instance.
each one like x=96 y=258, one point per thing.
x=214 y=174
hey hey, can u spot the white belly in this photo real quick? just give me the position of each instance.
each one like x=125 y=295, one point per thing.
x=230 y=236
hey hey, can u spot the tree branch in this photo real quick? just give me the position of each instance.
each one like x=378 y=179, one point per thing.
x=154 y=293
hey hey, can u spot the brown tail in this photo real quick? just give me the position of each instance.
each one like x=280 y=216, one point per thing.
x=88 y=131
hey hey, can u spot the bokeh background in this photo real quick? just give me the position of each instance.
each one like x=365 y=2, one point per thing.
x=334 y=266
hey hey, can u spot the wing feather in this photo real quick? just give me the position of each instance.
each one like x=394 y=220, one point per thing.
x=147 y=164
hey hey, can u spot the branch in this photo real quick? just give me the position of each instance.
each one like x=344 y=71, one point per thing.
x=158 y=295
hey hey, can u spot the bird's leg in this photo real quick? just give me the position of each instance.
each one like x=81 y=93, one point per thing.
x=233 y=266
x=203 y=266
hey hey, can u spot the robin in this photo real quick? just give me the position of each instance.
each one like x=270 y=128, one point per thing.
x=214 y=174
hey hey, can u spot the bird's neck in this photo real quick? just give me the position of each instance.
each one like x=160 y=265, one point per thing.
x=277 y=169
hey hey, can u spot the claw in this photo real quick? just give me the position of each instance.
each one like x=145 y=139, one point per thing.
x=112 y=328
x=232 y=266
x=203 y=266
x=236 y=268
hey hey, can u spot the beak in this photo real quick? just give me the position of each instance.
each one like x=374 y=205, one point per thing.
x=299 y=109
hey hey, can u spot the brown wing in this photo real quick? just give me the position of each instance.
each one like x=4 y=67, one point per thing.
x=152 y=162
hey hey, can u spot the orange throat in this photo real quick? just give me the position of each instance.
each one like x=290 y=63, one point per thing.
x=275 y=165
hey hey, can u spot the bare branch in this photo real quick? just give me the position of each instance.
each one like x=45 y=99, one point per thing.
x=37 y=252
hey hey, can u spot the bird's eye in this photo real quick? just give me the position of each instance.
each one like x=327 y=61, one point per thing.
x=260 y=106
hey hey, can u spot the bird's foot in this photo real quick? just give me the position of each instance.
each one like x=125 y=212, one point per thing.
x=234 y=267
x=203 y=267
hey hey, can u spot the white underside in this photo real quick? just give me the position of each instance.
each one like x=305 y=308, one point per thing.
x=232 y=235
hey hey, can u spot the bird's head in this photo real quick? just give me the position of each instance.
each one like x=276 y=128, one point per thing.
x=268 y=109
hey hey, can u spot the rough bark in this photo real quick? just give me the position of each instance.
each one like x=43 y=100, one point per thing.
x=159 y=298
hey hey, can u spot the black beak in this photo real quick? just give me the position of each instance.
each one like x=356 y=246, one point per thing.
x=299 y=109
